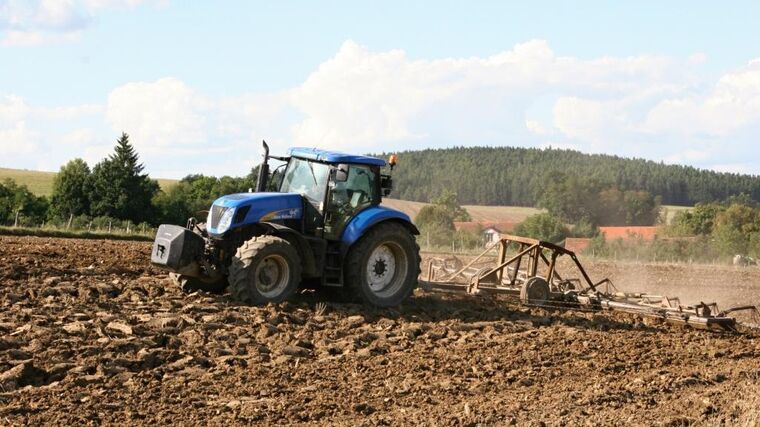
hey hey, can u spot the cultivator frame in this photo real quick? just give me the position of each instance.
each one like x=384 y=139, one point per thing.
x=530 y=272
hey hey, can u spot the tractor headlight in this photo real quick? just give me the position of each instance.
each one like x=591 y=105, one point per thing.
x=225 y=221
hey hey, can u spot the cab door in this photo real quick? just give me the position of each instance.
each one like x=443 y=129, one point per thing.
x=346 y=198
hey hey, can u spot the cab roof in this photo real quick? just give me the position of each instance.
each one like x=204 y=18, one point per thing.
x=330 y=156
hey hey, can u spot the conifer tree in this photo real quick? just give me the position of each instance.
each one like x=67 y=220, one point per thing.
x=119 y=188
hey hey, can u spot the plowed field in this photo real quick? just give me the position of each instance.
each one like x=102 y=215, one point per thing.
x=91 y=334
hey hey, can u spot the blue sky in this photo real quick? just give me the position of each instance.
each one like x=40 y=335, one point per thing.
x=198 y=84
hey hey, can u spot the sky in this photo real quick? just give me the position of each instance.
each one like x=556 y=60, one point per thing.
x=197 y=85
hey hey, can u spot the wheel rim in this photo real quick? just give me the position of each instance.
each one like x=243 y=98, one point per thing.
x=272 y=276
x=386 y=269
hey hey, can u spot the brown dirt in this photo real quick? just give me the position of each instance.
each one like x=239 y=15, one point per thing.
x=90 y=334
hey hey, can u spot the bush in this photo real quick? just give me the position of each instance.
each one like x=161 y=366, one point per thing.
x=542 y=226
x=17 y=200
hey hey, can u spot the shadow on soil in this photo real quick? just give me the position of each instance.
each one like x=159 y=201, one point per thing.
x=435 y=307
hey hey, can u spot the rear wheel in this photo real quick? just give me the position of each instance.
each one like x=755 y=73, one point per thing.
x=383 y=266
x=535 y=290
x=192 y=284
x=265 y=269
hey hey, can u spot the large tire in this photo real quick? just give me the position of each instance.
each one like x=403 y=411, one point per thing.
x=191 y=284
x=383 y=266
x=265 y=269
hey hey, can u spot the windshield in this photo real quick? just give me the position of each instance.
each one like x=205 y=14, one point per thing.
x=306 y=178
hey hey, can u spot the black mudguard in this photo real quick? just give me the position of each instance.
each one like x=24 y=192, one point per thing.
x=177 y=248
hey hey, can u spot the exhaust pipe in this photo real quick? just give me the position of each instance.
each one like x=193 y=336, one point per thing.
x=261 y=181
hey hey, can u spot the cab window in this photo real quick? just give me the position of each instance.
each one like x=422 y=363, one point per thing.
x=359 y=190
x=306 y=178
x=348 y=198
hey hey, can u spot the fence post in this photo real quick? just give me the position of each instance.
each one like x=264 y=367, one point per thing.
x=89 y=227
x=109 y=227
x=15 y=221
x=68 y=225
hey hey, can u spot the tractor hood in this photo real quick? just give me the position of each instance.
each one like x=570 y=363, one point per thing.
x=235 y=210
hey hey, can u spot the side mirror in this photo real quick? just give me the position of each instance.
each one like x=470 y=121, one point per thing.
x=340 y=173
x=386 y=185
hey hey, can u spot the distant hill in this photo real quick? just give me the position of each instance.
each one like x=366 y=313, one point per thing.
x=41 y=183
x=509 y=176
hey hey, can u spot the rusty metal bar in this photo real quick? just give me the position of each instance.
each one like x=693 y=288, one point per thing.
x=506 y=263
x=469 y=264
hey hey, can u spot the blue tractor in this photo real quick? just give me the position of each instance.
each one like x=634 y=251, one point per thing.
x=322 y=227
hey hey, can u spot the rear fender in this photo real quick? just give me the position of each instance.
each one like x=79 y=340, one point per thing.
x=370 y=217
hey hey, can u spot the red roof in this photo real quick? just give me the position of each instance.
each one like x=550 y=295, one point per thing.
x=577 y=244
x=501 y=227
x=627 y=233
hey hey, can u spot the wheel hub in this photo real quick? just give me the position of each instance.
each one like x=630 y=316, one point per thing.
x=381 y=268
x=272 y=275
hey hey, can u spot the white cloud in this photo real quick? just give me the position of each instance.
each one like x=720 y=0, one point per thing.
x=159 y=114
x=79 y=137
x=17 y=139
x=359 y=100
x=34 y=136
x=535 y=127
x=732 y=104
x=698 y=58
x=35 y=22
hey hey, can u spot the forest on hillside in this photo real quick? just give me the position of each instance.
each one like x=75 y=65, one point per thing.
x=517 y=176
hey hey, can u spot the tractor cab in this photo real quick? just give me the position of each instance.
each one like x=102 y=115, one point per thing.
x=335 y=187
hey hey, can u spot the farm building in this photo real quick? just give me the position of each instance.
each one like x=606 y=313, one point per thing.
x=491 y=231
x=577 y=244
x=630 y=232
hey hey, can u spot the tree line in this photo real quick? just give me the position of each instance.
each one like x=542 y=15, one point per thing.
x=115 y=190
x=518 y=176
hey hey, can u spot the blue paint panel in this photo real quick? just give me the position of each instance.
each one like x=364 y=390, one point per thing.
x=333 y=156
x=263 y=207
x=366 y=219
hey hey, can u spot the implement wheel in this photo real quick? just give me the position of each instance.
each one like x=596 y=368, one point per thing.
x=383 y=266
x=534 y=290
x=192 y=284
x=265 y=269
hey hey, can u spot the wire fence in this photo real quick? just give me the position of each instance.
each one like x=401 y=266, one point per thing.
x=79 y=226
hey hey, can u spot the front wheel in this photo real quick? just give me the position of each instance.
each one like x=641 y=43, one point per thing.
x=265 y=269
x=383 y=266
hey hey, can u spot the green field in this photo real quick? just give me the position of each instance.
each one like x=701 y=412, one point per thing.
x=41 y=183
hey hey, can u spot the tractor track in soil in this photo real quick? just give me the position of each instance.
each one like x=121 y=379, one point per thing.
x=91 y=334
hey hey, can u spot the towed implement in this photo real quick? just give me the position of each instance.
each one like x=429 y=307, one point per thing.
x=528 y=270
